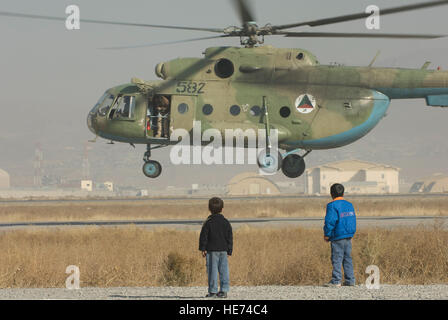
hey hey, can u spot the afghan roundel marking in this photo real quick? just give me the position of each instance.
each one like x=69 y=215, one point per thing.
x=305 y=103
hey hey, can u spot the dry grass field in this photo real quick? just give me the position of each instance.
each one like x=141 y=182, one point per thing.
x=133 y=256
x=197 y=209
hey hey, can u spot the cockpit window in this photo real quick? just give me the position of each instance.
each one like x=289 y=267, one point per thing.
x=100 y=101
x=102 y=111
x=123 y=108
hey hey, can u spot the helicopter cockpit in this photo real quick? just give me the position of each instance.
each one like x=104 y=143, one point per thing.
x=105 y=96
x=120 y=112
x=111 y=107
x=123 y=108
x=120 y=106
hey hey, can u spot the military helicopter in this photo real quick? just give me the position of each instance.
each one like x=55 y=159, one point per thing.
x=310 y=106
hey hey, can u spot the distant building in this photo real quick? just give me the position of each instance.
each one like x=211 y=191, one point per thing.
x=109 y=186
x=4 y=180
x=87 y=185
x=358 y=177
x=194 y=188
x=142 y=193
x=251 y=183
x=437 y=183
x=286 y=184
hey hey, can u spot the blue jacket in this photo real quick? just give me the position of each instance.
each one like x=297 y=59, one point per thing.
x=340 y=220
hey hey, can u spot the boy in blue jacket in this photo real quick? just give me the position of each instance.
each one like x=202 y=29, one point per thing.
x=339 y=228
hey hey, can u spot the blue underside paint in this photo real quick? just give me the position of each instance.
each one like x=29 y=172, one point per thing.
x=406 y=93
x=439 y=100
x=379 y=109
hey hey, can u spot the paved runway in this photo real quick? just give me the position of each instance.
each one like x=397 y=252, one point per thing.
x=383 y=222
x=226 y=198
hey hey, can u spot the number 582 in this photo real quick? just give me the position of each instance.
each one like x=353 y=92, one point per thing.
x=190 y=87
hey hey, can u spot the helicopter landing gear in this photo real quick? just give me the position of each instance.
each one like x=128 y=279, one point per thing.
x=151 y=168
x=269 y=162
x=293 y=165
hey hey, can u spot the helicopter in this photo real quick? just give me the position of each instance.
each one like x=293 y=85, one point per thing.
x=281 y=94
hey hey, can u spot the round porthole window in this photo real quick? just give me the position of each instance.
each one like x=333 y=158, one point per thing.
x=182 y=108
x=224 y=68
x=255 y=111
x=207 y=109
x=235 y=110
x=285 y=112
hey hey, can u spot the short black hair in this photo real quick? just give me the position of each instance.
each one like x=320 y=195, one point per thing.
x=337 y=190
x=215 y=205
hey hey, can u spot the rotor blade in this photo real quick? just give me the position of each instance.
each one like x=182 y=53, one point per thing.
x=359 y=35
x=164 y=43
x=244 y=10
x=357 y=16
x=130 y=24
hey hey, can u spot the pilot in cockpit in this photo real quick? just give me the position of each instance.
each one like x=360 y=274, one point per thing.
x=127 y=105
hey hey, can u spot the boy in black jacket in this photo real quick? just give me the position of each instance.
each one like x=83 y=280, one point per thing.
x=216 y=243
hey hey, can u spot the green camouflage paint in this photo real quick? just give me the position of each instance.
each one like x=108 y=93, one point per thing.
x=344 y=96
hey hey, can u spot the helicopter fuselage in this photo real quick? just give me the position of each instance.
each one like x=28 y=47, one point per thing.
x=312 y=106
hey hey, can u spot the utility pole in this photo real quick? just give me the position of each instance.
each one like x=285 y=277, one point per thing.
x=86 y=163
x=38 y=171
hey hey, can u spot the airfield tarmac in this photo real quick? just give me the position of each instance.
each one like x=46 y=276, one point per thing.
x=391 y=211
x=196 y=224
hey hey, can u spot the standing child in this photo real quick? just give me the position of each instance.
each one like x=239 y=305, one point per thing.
x=216 y=243
x=339 y=228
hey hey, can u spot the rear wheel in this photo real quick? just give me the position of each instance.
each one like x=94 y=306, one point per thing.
x=152 y=169
x=293 y=166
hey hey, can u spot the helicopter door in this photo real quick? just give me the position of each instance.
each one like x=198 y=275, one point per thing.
x=158 y=117
x=182 y=112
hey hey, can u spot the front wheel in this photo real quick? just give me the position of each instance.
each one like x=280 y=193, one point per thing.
x=269 y=163
x=152 y=169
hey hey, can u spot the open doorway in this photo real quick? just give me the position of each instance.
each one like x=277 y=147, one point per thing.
x=158 y=116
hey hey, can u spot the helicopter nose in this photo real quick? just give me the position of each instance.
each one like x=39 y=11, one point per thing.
x=91 y=121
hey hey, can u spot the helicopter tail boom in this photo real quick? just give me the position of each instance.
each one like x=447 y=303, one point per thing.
x=437 y=100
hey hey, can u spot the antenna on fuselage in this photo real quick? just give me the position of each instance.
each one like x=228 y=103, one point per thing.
x=374 y=58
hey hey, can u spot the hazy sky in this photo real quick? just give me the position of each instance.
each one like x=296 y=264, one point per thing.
x=50 y=77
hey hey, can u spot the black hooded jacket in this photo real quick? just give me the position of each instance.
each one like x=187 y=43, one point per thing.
x=216 y=234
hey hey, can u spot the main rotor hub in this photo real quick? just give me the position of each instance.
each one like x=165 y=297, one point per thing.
x=249 y=34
